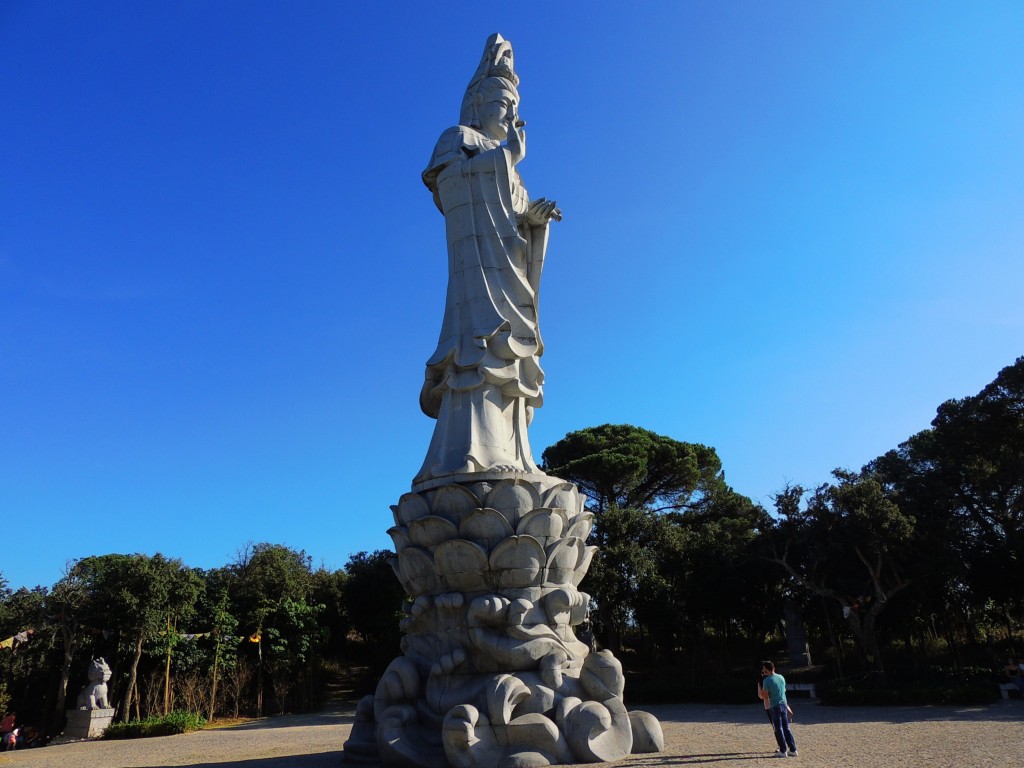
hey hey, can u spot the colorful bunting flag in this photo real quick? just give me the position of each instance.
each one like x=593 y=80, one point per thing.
x=14 y=641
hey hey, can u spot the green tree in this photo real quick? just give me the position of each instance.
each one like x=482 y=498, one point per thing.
x=67 y=603
x=224 y=625
x=26 y=613
x=964 y=479
x=329 y=590
x=850 y=544
x=294 y=640
x=136 y=594
x=634 y=468
x=723 y=588
x=263 y=576
x=626 y=576
x=373 y=600
x=24 y=664
x=662 y=513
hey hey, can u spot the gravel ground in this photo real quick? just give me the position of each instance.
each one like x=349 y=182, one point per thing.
x=876 y=737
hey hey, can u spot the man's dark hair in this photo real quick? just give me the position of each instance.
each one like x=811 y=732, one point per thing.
x=768 y=665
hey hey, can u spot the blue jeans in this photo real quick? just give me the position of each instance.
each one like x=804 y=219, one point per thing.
x=780 y=722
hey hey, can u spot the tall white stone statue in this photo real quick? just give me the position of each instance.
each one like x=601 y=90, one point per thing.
x=484 y=379
x=490 y=549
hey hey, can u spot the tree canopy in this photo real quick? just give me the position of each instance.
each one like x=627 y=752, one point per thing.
x=633 y=467
x=205 y=641
x=963 y=478
x=671 y=533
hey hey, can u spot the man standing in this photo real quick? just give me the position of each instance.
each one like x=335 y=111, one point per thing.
x=773 y=691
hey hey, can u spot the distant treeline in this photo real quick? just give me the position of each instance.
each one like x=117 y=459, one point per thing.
x=910 y=569
x=252 y=637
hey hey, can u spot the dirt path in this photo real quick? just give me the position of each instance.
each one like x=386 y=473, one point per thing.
x=886 y=737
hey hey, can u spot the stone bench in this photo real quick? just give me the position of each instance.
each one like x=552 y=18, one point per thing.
x=802 y=688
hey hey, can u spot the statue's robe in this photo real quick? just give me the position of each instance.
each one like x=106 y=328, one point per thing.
x=484 y=378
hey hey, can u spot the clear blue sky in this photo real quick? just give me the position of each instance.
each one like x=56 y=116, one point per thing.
x=792 y=229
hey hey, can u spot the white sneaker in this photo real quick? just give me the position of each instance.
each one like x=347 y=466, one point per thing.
x=793 y=753
x=781 y=754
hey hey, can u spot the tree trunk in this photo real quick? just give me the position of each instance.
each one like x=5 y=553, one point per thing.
x=874 y=653
x=132 y=680
x=972 y=630
x=70 y=641
x=863 y=630
x=836 y=647
x=70 y=638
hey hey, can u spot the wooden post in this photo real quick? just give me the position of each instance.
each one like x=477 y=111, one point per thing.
x=213 y=692
x=259 y=674
x=167 y=668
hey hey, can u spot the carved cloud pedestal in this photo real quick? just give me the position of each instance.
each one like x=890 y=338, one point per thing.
x=492 y=673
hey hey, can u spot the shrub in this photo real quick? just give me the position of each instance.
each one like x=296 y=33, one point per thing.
x=167 y=725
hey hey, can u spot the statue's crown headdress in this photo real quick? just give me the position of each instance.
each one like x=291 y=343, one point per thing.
x=496 y=61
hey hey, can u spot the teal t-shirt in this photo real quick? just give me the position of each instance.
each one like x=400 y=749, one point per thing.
x=776 y=687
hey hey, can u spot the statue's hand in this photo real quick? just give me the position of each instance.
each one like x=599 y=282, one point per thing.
x=541 y=211
x=516 y=137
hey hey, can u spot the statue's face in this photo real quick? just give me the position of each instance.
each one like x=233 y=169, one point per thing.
x=99 y=672
x=496 y=113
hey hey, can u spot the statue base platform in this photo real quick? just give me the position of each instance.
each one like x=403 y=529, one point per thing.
x=492 y=673
x=87 y=723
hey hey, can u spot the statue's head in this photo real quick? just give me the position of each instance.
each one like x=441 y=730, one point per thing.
x=494 y=74
x=99 y=671
x=492 y=104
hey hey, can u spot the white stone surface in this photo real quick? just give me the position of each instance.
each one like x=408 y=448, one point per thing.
x=94 y=694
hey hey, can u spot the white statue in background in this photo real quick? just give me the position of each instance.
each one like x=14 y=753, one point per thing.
x=484 y=379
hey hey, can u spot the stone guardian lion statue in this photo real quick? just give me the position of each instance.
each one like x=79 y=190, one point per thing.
x=94 y=694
